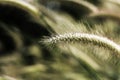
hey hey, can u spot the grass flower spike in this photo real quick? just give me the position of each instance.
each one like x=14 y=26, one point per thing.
x=86 y=39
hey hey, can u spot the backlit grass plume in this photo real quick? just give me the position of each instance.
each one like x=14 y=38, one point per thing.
x=86 y=39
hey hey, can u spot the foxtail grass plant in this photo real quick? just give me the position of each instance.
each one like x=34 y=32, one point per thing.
x=86 y=39
x=92 y=51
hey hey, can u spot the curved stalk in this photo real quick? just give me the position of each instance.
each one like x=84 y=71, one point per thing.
x=33 y=11
x=104 y=14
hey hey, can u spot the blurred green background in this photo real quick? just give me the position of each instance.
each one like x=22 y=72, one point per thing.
x=24 y=24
